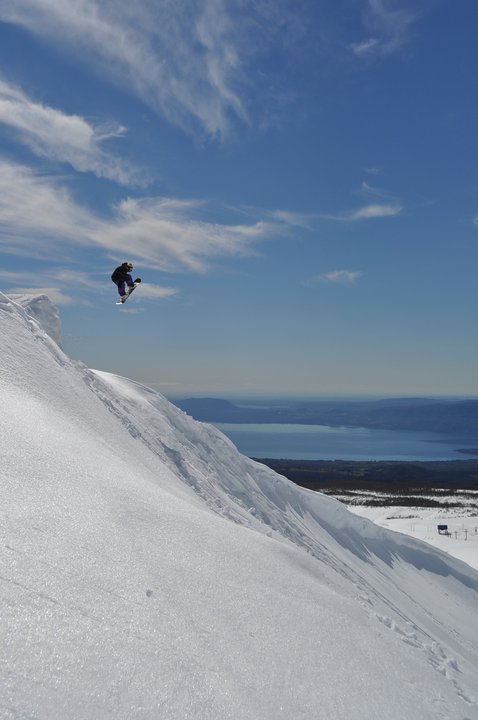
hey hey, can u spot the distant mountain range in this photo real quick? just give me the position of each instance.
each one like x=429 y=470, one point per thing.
x=452 y=417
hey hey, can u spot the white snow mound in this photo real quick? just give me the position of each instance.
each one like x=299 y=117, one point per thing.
x=150 y=572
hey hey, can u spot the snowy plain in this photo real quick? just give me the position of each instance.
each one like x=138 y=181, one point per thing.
x=460 y=540
x=150 y=571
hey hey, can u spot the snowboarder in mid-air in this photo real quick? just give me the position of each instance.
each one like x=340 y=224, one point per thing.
x=122 y=279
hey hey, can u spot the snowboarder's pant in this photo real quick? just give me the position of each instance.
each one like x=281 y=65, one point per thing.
x=128 y=280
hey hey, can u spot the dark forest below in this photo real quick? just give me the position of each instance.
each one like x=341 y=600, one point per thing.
x=337 y=477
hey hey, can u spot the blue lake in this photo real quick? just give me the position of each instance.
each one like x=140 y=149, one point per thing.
x=320 y=442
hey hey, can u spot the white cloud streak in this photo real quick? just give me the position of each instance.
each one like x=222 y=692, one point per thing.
x=156 y=292
x=39 y=219
x=342 y=277
x=180 y=58
x=368 y=212
x=294 y=219
x=375 y=211
x=168 y=234
x=366 y=47
x=52 y=134
x=391 y=26
x=367 y=189
x=37 y=215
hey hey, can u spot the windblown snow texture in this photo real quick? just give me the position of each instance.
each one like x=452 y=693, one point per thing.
x=148 y=570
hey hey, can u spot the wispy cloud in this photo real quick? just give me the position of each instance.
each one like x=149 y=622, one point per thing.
x=170 y=234
x=40 y=219
x=202 y=65
x=342 y=277
x=293 y=219
x=367 y=189
x=156 y=292
x=52 y=134
x=180 y=58
x=215 y=30
x=37 y=215
x=390 y=27
x=375 y=211
x=366 y=47
x=367 y=212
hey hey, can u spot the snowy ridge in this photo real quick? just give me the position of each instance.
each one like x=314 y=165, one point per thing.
x=40 y=308
x=148 y=570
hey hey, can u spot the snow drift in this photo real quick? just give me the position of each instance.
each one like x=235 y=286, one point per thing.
x=150 y=571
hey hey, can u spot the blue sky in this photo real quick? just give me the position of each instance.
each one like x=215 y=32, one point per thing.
x=295 y=181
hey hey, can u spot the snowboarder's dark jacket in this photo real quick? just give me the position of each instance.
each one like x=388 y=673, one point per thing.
x=120 y=273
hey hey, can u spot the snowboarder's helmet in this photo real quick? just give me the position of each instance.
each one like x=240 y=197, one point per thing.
x=129 y=266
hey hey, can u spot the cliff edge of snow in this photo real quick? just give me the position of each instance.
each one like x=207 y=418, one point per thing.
x=40 y=308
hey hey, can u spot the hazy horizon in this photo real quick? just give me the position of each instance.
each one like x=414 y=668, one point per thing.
x=292 y=397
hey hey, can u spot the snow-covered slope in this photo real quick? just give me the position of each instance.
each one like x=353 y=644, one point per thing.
x=149 y=571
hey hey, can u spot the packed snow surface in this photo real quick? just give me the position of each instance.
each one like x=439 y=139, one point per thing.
x=460 y=539
x=151 y=572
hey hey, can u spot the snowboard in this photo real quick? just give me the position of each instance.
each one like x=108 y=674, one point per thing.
x=121 y=301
